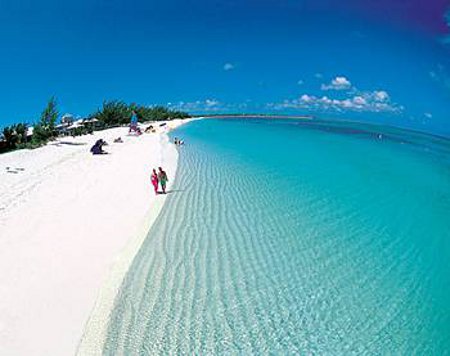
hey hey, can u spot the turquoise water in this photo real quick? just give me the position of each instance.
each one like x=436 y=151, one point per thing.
x=291 y=237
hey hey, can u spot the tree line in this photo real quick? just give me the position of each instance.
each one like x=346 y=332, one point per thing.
x=112 y=114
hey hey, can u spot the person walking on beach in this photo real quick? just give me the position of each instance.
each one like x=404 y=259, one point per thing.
x=162 y=176
x=133 y=122
x=155 y=181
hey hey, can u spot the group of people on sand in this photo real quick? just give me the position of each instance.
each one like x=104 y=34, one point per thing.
x=178 y=142
x=157 y=178
x=97 y=148
x=133 y=129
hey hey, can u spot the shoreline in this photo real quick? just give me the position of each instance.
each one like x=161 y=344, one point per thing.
x=96 y=327
x=95 y=330
x=69 y=224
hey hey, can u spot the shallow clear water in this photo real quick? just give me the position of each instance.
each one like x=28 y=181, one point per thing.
x=282 y=236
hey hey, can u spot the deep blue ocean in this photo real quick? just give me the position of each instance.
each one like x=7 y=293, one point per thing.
x=294 y=237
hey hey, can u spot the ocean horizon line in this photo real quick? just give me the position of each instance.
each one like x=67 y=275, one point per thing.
x=327 y=120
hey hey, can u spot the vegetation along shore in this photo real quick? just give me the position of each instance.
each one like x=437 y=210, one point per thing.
x=113 y=113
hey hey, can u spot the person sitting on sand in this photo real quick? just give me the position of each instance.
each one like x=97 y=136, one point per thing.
x=162 y=176
x=97 y=149
x=155 y=180
x=148 y=129
x=118 y=140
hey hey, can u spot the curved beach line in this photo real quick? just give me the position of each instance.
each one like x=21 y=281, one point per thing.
x=95 y=331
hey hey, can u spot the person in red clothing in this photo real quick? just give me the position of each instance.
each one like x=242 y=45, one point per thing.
x=155 y=180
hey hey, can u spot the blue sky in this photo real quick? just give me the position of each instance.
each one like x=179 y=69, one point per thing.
x=386 y=62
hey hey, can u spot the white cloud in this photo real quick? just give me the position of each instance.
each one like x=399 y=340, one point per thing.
x=338 y=83
x=359 y=100
x=208 y=106
x=211 y=103
x=300 y=82
x=428 y=115
x=318 y=75
x=376 y=101
x=381 y=95
x=198 y=106
x=228 y=66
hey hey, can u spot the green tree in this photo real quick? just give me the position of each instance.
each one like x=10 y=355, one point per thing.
x=113 y=113
x=46 y=128
x=117 y=112
x=158 y=113
x=15 y=136
x=9 y=137
x=21 y=132
x=49 y=117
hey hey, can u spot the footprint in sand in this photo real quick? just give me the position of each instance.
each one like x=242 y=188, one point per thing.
x=15 y=170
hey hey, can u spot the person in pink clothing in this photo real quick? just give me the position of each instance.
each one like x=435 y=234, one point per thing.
x=155 y=180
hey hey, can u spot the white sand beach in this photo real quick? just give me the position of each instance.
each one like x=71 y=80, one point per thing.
x=66 y=219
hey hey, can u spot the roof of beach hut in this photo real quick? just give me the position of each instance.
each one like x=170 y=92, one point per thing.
x=75 y=125
x=67 y=118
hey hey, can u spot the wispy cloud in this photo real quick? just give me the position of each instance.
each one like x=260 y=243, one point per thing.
x=228 y=66
x=207 y=105
x=440 y=76
x=428 y=115
x=300 y=82
x=318 y=75
x=338 y=83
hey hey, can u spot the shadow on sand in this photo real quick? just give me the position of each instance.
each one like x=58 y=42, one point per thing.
x=69 y=143
x=171 y=191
